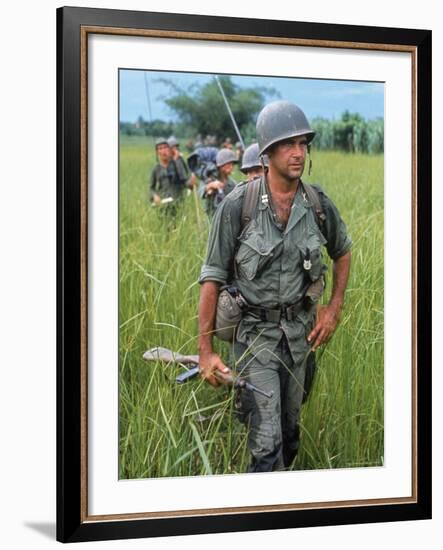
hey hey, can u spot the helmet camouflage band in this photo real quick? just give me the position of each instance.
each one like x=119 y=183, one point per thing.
x=251 y=158
x=281 y=120
x=224 y=156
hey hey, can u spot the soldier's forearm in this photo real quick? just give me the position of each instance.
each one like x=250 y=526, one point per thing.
x=206 y=315
x=341 y=268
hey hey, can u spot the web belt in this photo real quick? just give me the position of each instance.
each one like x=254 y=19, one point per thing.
x=275 y=315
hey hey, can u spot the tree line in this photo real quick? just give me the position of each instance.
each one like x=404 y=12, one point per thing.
x=351 y=133
x=200 y=112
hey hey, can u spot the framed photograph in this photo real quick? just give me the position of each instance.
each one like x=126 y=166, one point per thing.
x=157 y=114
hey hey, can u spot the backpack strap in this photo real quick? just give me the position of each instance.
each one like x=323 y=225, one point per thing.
x=314 y=199
x=249 y=205
x=250 y=201
x=252 y=192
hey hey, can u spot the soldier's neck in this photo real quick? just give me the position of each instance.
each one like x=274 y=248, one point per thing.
x=280 y=185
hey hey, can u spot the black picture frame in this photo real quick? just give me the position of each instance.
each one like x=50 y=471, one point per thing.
x=73 y=24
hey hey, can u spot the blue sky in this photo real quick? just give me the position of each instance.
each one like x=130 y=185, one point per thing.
x=326 y=98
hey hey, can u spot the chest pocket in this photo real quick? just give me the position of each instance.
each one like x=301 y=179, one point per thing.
x=255 y=252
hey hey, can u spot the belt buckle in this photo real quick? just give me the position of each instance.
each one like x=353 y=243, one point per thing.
x=282 y=313
x=272 y=315
x=290 y=312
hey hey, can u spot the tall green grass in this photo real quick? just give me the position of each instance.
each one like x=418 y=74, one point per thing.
x=172 y=430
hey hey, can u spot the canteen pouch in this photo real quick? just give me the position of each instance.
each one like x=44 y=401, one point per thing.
x=230 y=306
x=314 y=292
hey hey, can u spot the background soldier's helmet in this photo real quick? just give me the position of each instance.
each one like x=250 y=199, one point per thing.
x=251 y=158
x=172 y=142
x=281 y=120
x=224 y=156
x=161 y=141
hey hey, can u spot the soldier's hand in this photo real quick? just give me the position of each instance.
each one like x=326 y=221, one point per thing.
x=157 y=200
x=209 y=363
x=213 y=186
x=327 y=321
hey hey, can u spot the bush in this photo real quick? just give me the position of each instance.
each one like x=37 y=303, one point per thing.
x=350 y=133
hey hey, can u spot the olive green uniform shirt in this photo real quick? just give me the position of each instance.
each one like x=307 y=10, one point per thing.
x=182 y=168
x=167 y=181
x=270 y=261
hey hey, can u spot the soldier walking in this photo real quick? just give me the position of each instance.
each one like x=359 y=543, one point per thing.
x=167 y=183
x=273 y=262
x=180 y=163
x=216 y=187
x=251 y=165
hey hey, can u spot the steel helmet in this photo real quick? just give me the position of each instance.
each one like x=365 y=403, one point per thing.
x=161 y=141
x=281 y=120
x=172 y=142
x=251 y=158
x=224 y=156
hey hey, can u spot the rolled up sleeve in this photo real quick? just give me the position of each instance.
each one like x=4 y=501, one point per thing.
x=212 y=273
x=334 y=230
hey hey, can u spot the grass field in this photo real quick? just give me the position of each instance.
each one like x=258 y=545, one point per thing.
x=183 y=430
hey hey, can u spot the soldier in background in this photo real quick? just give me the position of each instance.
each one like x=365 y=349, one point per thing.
x=251 y=163
x=220 y=183
x=198 y=142
x=182 y=168
x=166 y=183
x=227 y=144
x=212 y=140
x=189 y=145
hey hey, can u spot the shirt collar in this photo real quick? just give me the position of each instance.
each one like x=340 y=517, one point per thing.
x=299 y=205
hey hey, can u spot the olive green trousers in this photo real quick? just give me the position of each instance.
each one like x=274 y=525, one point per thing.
x=273 y=423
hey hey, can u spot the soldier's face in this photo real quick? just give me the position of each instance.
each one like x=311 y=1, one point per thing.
x=254 y=172
x=288 y=157
x=226 y=169
x=164 y=151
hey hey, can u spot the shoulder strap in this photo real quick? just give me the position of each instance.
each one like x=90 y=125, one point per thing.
x=249 y=205
x=250 y=201
x=314 y=199
x=252 y=192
